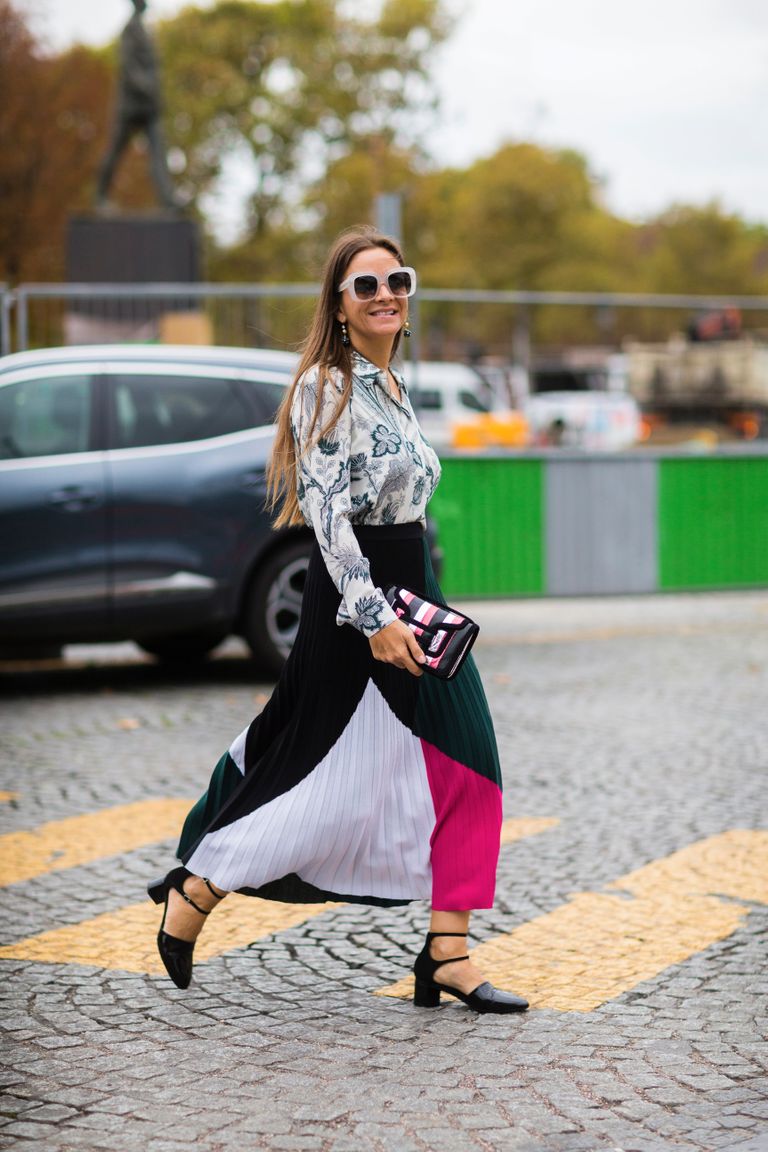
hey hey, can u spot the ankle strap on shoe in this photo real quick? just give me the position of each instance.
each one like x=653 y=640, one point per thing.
x=450 y=959
x=189 y=900
x=440 y=963
x=212 y=890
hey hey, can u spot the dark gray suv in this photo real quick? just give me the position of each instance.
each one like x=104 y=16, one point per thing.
x=132 y=501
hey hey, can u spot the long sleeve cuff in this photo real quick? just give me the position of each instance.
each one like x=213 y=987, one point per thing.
x=371 y=612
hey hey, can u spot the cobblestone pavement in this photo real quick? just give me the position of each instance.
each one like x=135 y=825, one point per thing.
x=634 y=740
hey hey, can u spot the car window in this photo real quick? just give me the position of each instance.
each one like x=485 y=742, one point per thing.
x=266 y=397
x=473 y=402
x=427 y=399
x=47 y=416
x=159 y=409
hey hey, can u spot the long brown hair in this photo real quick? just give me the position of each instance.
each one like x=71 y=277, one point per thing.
x=323 y=347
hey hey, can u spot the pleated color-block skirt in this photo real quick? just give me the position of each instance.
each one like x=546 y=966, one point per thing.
x=358 y=781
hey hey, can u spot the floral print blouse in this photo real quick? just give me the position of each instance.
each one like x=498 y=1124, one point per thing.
x=373 y=467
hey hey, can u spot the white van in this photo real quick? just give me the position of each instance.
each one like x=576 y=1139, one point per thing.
x=591 y=420
x=444 y=394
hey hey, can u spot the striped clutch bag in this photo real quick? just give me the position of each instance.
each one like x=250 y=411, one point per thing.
x=444 y=635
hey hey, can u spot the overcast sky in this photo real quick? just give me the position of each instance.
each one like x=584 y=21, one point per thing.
x=667 y=98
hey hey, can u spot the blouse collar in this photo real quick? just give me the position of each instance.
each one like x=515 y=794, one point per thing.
x=363 y=368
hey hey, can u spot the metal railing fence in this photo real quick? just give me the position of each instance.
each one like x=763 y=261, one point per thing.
x=275 y=315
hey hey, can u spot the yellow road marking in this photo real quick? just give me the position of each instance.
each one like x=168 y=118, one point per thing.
x=83 y=839
x=524 y=826
x=600 y=945
x=6 y=796
x=126 y=939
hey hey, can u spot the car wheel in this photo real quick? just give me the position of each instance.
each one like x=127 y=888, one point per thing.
x=182 y=648
x=274 y=605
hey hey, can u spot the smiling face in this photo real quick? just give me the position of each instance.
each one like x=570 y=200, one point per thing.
x=373 y=324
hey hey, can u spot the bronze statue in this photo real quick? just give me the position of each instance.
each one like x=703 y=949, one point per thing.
x=138 y=109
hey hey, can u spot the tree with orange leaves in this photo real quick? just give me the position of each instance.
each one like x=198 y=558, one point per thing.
x=54 y=113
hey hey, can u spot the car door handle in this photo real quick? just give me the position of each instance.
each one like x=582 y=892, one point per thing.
x=73 y=498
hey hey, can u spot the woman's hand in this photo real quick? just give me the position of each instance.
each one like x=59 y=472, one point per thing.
x=397 y=645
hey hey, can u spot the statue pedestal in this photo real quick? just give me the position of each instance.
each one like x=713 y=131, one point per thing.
x=148 y=249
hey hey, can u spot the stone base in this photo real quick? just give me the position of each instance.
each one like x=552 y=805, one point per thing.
x=133 y=250
x=117 y=250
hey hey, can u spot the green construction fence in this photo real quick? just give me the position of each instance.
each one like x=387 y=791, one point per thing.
x=569 y=524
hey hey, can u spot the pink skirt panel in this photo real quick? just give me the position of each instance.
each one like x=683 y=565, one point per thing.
x=465 y=839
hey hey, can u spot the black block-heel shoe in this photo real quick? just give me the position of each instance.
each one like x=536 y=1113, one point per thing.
x=176 y=954
x=484 y=998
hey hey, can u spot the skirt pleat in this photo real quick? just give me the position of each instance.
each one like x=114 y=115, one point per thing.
x=358 y=781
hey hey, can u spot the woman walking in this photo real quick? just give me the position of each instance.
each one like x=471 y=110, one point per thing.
x=362 y=780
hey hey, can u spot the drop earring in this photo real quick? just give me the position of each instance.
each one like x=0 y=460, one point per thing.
x=344 y=334
x=406 y=328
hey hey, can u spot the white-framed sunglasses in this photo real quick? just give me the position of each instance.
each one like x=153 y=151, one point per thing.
x=365 y=285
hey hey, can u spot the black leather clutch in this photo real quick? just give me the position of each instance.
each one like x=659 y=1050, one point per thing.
x=445 y=636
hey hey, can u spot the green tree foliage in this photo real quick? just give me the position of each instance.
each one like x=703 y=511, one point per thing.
x=511 y=210
x=348 y=191
x=523 y=218
x=293 y=86
x=702 y=247
x=533 y=218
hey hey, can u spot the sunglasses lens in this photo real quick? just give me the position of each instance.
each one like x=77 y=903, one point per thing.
x=365 y=287
x=399 y=283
